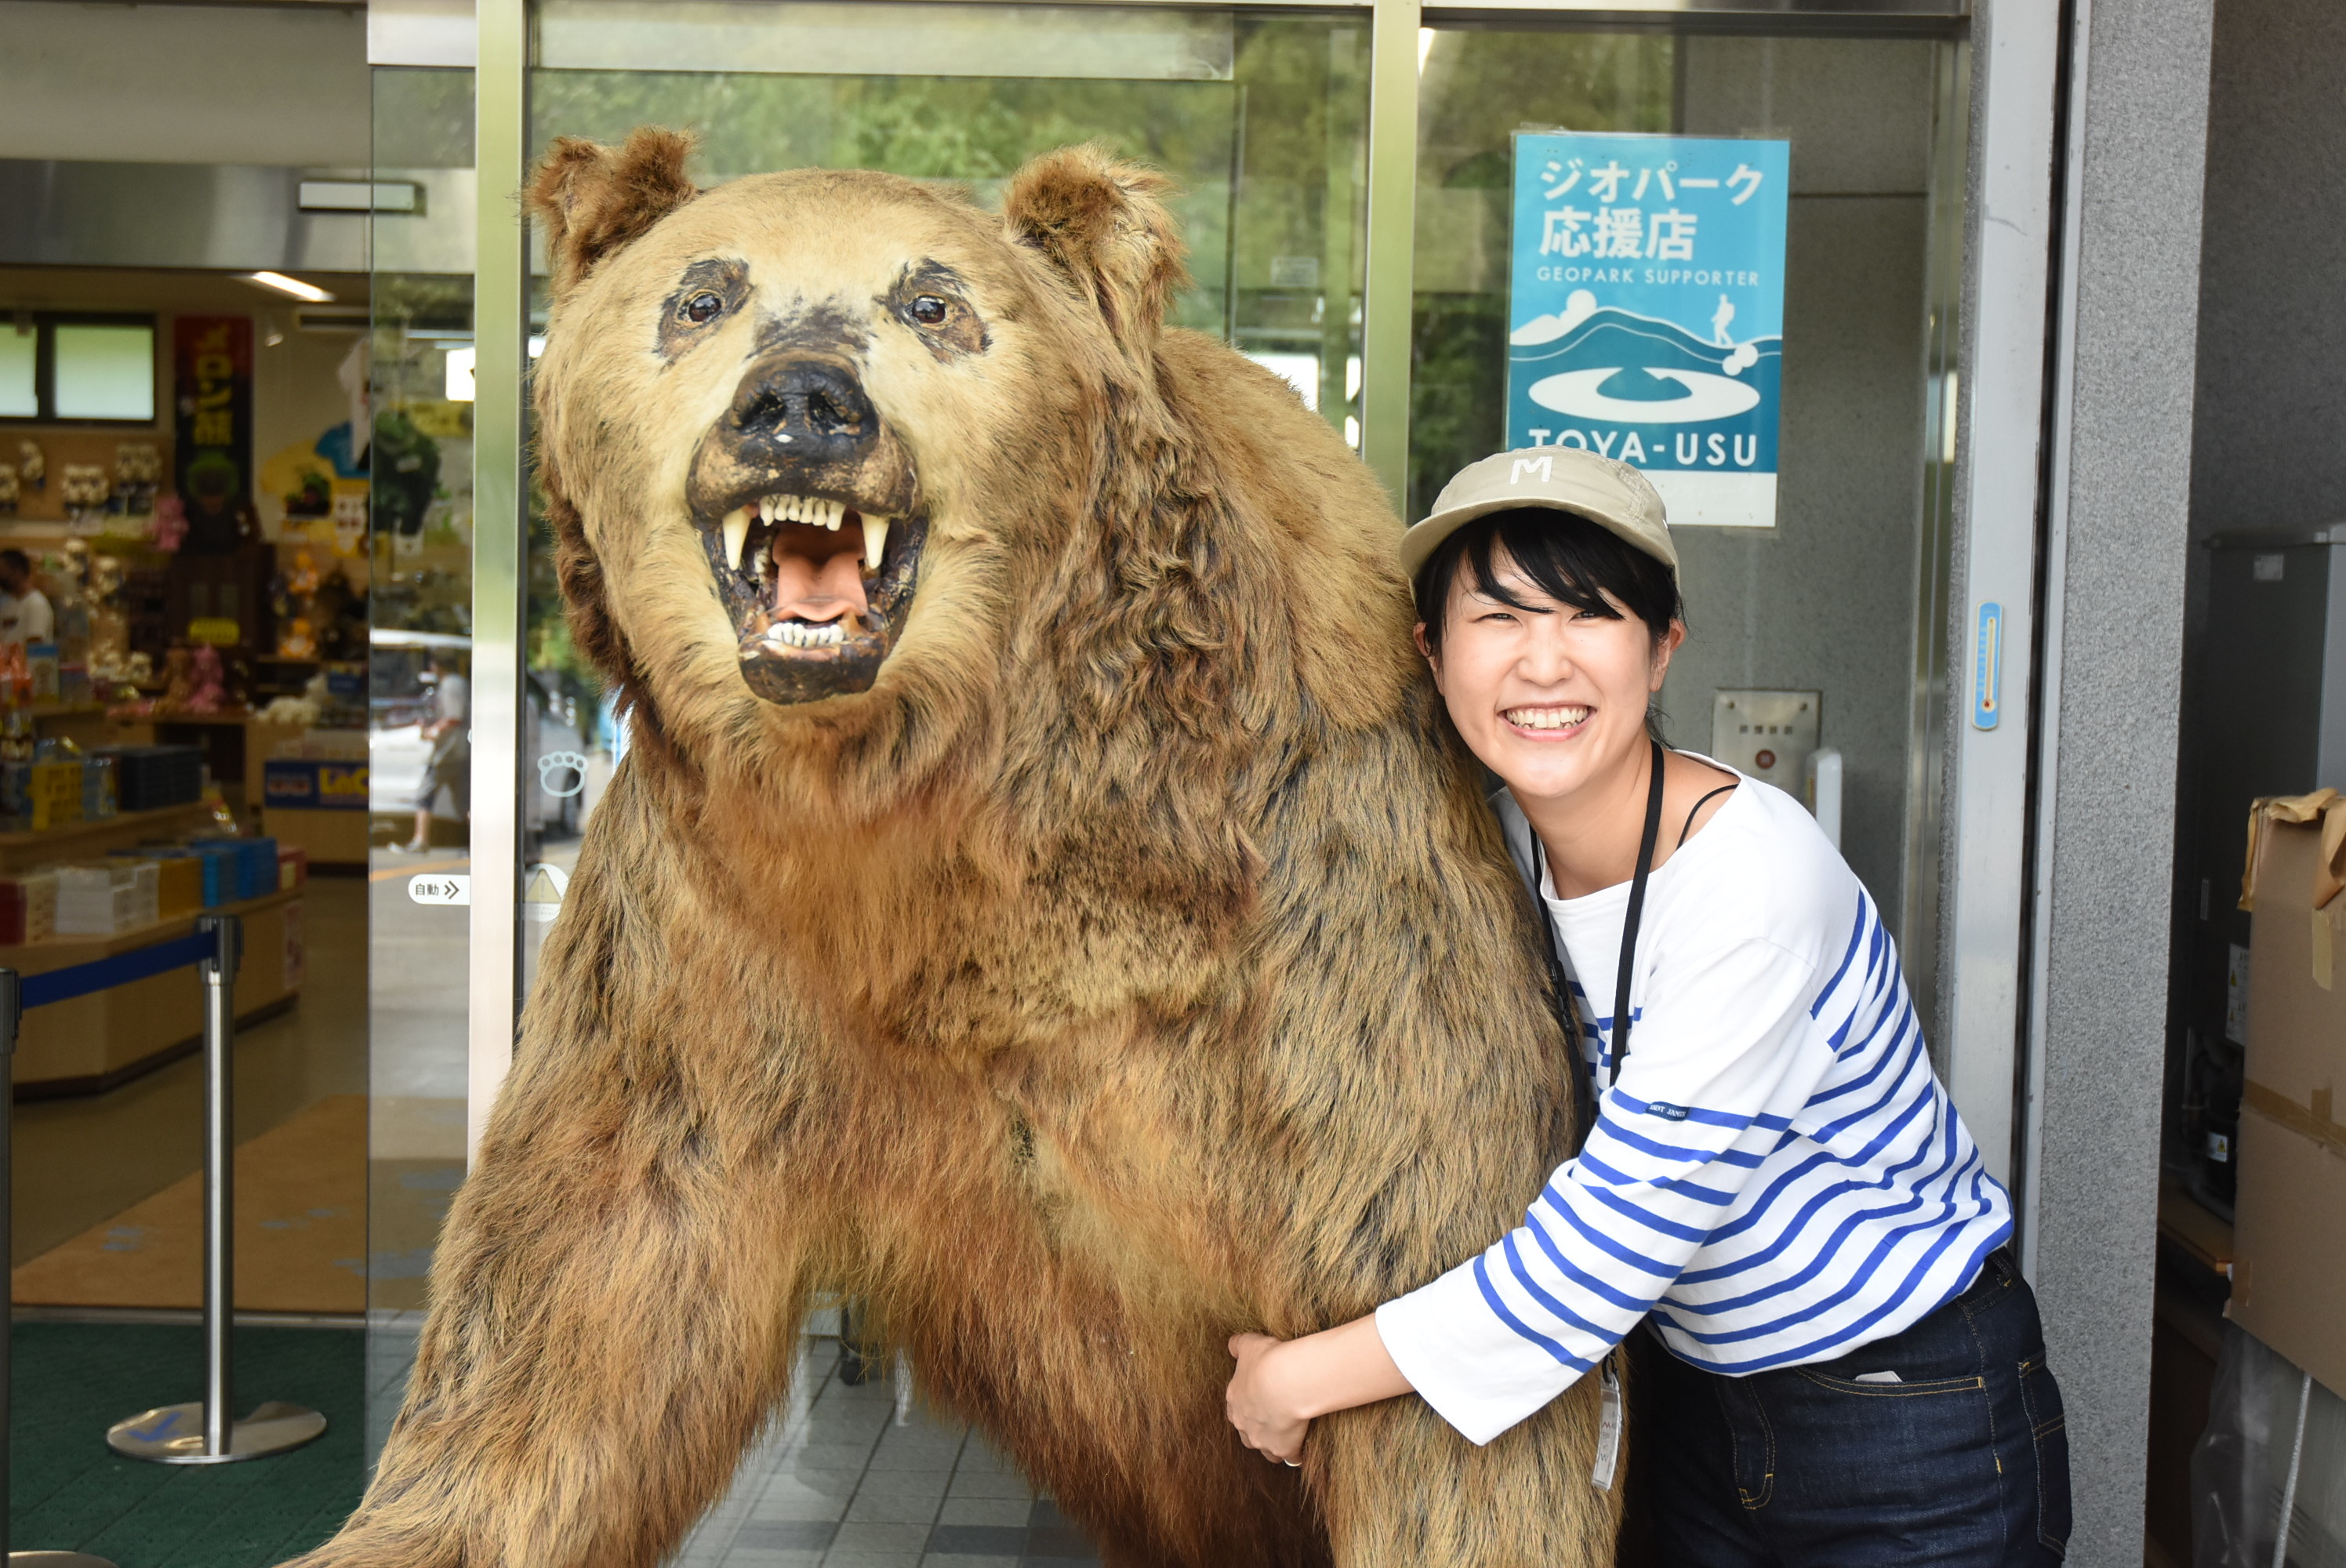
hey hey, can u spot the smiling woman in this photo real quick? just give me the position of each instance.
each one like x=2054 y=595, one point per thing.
x=1777 y=1213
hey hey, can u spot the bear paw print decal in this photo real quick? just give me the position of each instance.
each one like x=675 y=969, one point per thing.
x=562 y=774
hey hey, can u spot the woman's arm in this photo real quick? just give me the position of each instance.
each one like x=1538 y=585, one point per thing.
x=1725 y=1056
x=1282 y=1385
x=1503 y=1333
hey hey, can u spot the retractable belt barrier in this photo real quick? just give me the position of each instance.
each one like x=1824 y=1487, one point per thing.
x=106 y=974
x=199 y=1432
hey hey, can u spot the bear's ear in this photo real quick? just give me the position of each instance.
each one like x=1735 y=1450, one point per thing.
x=1103 y=223
x=594 y=199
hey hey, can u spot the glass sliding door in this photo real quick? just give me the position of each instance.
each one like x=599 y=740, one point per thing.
x=1841 y=605
x=420 y=558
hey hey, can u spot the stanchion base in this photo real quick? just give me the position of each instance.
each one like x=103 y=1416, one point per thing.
x=174 y=1434
x=55 y=1559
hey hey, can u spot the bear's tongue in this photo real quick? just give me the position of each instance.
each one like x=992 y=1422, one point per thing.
x=817 y=574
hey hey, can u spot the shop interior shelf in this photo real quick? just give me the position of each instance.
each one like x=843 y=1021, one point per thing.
x=87 y=840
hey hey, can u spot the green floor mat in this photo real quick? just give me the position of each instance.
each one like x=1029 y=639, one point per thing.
x=68 y=1490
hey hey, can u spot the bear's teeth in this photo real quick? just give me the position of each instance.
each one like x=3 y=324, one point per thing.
x=798 y=635
x=875 y=540
x=736 y=534
x=765 y=509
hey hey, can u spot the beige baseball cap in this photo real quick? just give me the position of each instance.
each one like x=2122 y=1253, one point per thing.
x=1610 y=493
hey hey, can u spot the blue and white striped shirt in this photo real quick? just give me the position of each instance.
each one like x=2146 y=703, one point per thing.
x=1777 y=1177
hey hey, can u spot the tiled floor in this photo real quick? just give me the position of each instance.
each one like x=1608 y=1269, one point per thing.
x=850 y=1478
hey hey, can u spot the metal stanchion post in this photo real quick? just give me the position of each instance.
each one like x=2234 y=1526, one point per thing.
x=205 y=1432
x=10 y=1014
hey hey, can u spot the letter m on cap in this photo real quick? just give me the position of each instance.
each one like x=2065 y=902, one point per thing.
x=1525 y=464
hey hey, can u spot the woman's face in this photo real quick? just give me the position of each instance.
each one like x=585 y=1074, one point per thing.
x=1550 y=697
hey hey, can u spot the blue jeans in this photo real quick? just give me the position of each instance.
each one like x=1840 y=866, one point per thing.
x=1961 y=1464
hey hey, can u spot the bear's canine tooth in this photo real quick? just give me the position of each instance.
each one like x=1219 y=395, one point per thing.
x=875 y=540
x=736 y=534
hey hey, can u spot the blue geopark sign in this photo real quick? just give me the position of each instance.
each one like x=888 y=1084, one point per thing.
x=1645 y=311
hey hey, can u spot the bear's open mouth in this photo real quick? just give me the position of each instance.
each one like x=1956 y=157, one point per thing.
x=818 y=587
x=810 y=514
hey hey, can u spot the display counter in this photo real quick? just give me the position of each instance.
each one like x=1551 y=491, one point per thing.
x=91 y=1044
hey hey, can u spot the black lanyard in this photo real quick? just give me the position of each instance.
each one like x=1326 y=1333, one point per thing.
x=1636 y=912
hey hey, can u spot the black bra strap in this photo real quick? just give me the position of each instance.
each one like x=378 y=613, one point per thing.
x=1698 y=805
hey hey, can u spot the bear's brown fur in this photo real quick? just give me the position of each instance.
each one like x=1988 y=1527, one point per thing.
x=1127 y=961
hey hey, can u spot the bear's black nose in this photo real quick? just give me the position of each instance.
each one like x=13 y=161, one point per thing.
x=797 y=408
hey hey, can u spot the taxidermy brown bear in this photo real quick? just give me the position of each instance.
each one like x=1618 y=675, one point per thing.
x=1039 y=900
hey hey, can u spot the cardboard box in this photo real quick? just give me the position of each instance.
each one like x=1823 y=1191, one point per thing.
x=28 y=907
x=107 y=897
x=178 y=886
x=2288 y=1269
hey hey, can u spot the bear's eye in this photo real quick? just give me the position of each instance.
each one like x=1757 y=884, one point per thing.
x=928 y=309
x=702 y=308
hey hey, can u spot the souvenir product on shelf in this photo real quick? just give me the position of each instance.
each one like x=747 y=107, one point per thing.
x=209 y=693
x=138 y=471
x=84 y=488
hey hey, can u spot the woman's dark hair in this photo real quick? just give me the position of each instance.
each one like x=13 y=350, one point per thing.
x=1570 y=559
x=1567 y=557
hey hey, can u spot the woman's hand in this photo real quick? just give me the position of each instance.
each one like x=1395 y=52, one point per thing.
x=1282 y=1385
x=1259 y=1404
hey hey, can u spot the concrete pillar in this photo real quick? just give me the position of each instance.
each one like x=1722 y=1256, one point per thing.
x=2114 y=607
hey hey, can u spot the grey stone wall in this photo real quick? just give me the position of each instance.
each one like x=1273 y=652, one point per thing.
x=2144 y=90
x=2265 y=450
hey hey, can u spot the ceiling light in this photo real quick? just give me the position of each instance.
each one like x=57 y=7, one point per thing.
x=293 y=286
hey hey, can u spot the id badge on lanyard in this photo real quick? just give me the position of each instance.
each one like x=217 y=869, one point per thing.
x=1608 y=1429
